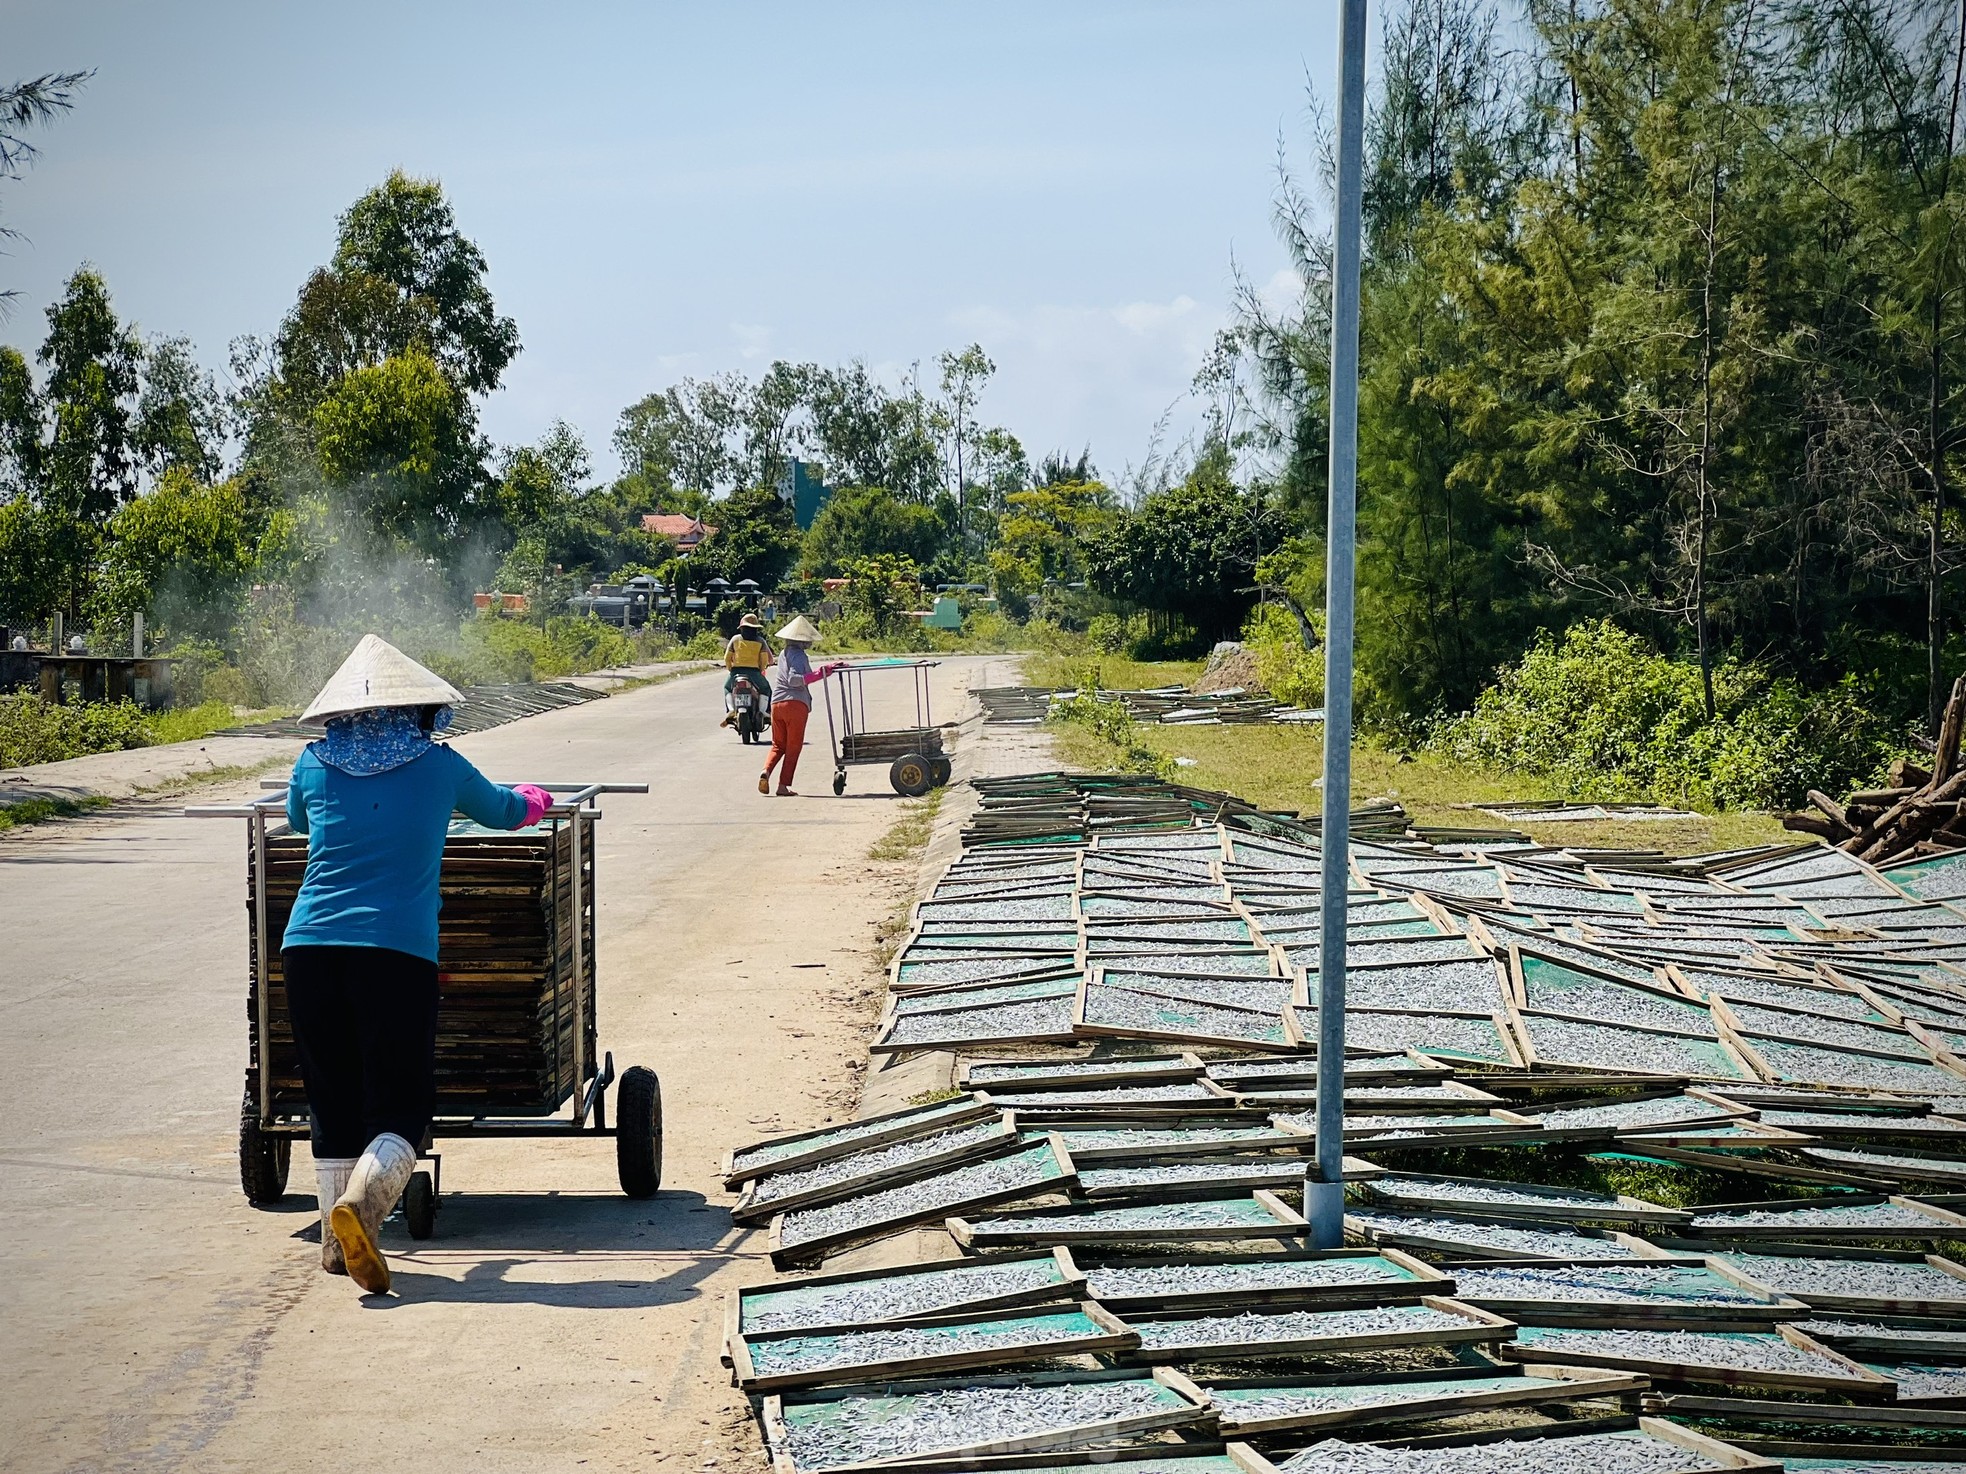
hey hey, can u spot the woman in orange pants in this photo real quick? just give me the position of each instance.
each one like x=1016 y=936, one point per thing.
x=791 y=703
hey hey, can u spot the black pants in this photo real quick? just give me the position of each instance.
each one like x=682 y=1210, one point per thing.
x=365 y=1019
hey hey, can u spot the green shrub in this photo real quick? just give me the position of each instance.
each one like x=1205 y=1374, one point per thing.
x=1107 y=719
x=1608 y=717
x=228 y=684
x=32 y=731
x=1285 y=668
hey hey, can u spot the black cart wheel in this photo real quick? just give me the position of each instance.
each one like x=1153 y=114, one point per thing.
x=638 y=1132
x=420 y=1205
x=941 y=770
x=910 y=775
x=263 y=1158
x=839 y=782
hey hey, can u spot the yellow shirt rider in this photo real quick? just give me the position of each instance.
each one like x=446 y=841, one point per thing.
x=747 y=651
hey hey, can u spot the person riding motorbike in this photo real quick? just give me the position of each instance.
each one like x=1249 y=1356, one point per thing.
x=747 y=653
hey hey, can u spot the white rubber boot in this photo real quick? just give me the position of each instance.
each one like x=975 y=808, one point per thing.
x=330 y=1182
x=380 y=1175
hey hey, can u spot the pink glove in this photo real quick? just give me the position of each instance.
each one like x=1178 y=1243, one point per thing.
x=538 y=801
x=824 y=671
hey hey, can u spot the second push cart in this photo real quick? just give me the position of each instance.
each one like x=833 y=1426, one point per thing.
x=913 y=755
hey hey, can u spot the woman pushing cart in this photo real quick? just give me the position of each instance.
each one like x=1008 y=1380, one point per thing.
x=374 y=796
x=791 y=703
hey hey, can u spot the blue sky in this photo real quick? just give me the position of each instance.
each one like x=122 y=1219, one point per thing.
x=665 y=190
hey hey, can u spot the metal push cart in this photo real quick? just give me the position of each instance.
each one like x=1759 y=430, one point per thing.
x=914 y=755
x=517 y=1054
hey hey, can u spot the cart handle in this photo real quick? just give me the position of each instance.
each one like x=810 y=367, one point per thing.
x=577 y=795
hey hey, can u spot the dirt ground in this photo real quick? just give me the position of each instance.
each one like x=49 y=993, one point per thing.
x=150 y=1319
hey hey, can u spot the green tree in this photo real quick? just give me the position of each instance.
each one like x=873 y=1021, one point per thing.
x=89 y=465
x=181 y=415
x=756 y=538
x=184 y=553
x=868 y=521
x=964 y=374
x=397 y=439
x=404 y=232
x=1190 y=551
x=1044 y=531
x=878 y=589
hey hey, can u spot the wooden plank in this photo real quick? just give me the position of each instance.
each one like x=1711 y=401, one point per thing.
x=1774 y=1410
x=755 y=1207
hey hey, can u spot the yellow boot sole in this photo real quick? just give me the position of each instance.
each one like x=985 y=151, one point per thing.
x=359 y=1253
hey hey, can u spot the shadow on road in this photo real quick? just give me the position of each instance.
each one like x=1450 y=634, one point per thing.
x=633 y=1254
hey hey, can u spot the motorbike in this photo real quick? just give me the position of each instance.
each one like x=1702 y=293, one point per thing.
x=748 y=701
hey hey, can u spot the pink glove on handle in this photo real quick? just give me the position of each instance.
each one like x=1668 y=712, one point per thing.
x=824 y=671
x=538 y=801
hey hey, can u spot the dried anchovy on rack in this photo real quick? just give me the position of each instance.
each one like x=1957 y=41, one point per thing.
x=1176 y=1093
x=1244 y=1405
x=1275 y=1171
x=1253 y=1327
x=753 y=1158
x=1025 y=1169
x=1152 y=1218
x=1754 y=1351
x=1146 y=1281
x=877 y=1159
x=796 y=1307
x=1845 y=1330
x=1638 y=1281
x=1631 y=1452
x=1010 y=1072
x=910 y=1343
x=891 y=1427
x=1864 y=1215
x=1662 y=1111
x=1000 y=1021
x=1869 y=1278
x=1505 y=1239
x=1452 y=1190
x=1145 y=1138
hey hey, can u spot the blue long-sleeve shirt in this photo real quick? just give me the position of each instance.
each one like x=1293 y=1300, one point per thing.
x=375 y=846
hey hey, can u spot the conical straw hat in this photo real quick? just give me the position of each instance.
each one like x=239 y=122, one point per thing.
x=377 y=674
x=800 y=628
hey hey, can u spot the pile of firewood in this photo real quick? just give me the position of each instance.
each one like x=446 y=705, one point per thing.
x=1919 y=814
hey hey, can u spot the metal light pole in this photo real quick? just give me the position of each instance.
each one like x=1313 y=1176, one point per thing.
x=1324 y=1199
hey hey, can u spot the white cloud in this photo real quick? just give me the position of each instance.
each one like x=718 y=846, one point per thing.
x=1072 y=374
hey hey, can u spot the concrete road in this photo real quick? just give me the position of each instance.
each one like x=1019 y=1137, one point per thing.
x=150 y=1319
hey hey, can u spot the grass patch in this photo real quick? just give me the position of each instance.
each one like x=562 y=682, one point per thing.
x=40 y=810
x=907 y=837
x=189 y=723
x=1115 y=672
x=935 y=1097
x=1279 y=768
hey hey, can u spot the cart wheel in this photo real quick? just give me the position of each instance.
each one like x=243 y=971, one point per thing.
x=420 y=1205
x=638 y=1132
x=839 y=783
x=941 y=770
x=910 y=775
x=263 y=1158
